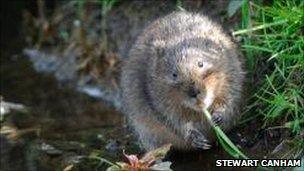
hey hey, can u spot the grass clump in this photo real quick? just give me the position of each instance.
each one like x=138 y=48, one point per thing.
x=273 y=42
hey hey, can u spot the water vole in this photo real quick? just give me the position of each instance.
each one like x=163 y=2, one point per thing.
x=178 y=61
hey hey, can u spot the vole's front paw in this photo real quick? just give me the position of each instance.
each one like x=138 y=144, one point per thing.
x=217 y=118
x=197 y=139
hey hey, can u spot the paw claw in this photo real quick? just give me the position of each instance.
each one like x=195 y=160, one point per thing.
x=201 y=145
x=198 y=140
x=217 y=118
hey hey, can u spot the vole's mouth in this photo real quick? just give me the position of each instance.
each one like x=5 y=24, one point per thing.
x=194 y=103
x=200 y=102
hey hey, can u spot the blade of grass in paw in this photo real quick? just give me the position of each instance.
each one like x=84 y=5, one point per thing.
x=225 y=142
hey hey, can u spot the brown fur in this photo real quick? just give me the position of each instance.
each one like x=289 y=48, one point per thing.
x=156 y=102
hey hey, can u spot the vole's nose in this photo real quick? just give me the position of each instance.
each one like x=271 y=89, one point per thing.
x=193 y=91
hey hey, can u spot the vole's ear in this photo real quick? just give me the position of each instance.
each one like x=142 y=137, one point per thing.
x=159 y=46
x=160 y=52
x=158 y=62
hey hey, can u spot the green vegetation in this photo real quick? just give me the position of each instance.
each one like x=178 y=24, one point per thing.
x=273 y=42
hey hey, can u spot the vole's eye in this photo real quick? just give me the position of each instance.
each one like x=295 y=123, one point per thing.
x=174 y=75
x=200 y=64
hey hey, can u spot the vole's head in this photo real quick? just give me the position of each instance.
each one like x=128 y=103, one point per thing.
x=191 y=76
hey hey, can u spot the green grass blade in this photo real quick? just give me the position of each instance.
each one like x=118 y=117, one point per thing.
x=243 y=31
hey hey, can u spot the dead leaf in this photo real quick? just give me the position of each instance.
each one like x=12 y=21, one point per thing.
x=147 y=162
